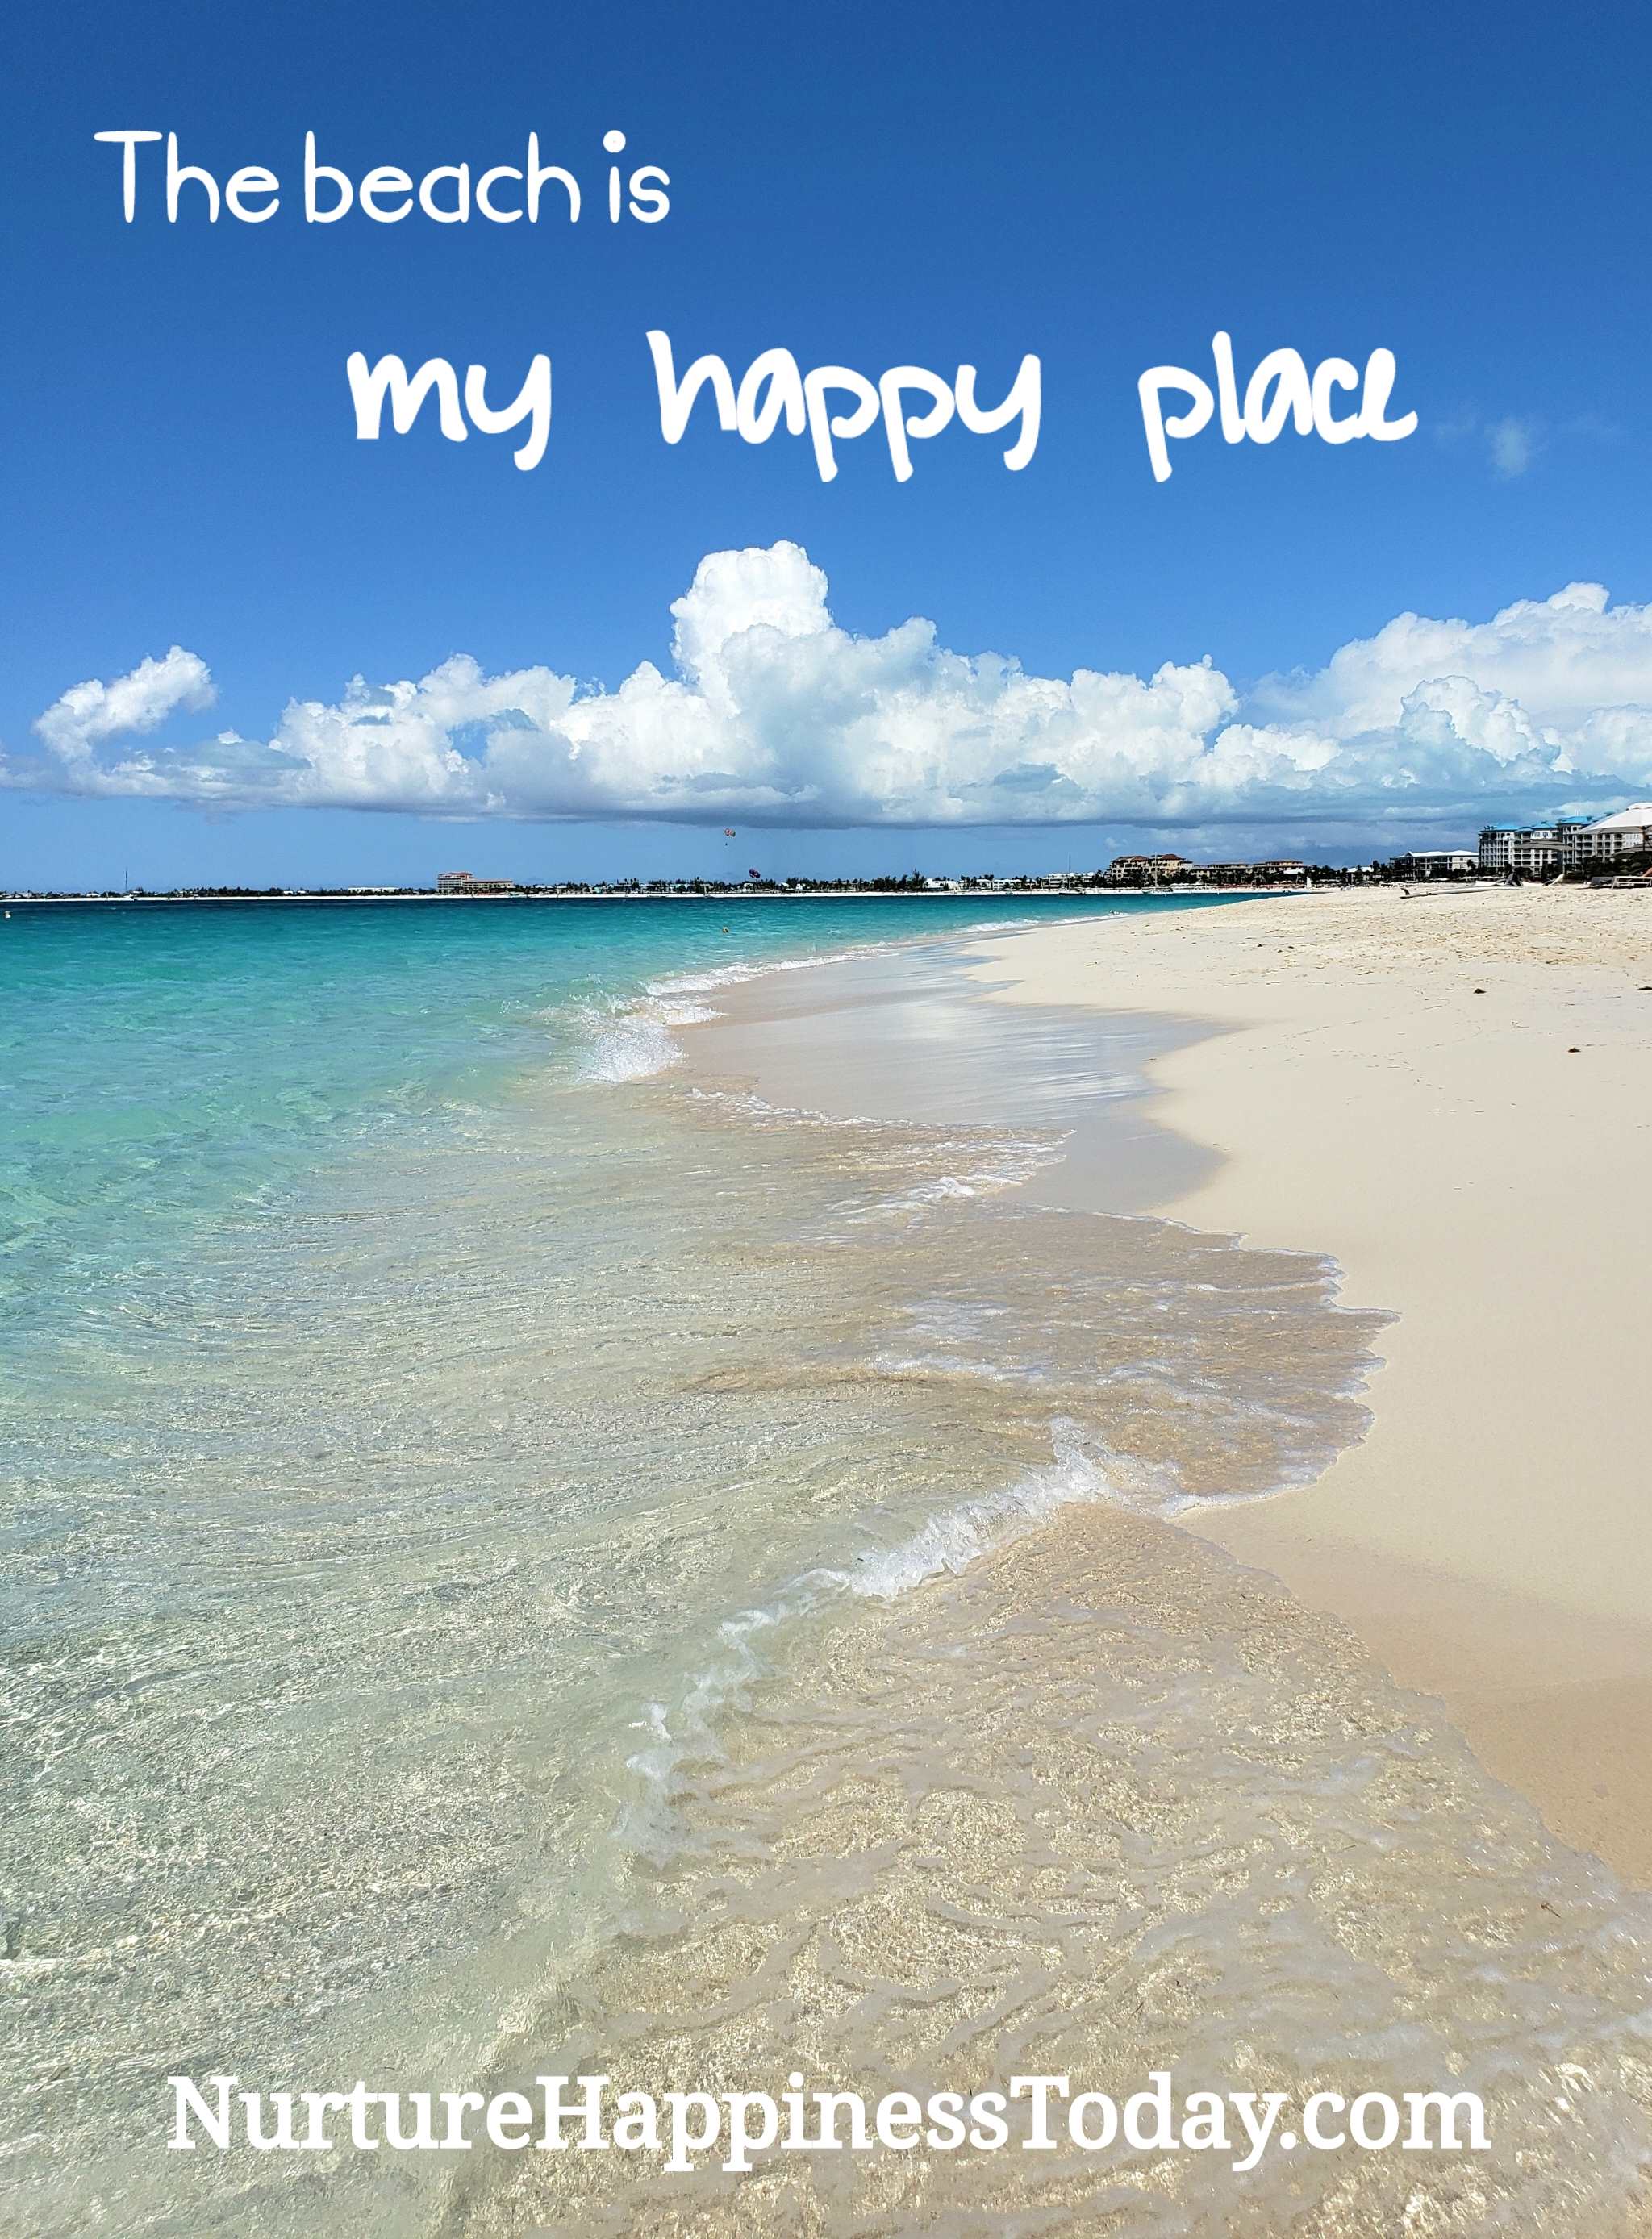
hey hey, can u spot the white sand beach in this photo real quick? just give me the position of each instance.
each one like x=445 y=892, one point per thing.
x=1451 y=1093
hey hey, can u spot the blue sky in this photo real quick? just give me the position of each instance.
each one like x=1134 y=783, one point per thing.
x=1105 y=187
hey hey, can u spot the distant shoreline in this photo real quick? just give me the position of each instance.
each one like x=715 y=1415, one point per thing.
x=711 y=894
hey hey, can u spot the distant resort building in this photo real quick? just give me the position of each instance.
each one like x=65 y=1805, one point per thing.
x=1435 y=863
x=1568 y=844
x=1528 y=848
x=1628 y=833
x=1176 y=871
x=1144 y=870
x=466 y=882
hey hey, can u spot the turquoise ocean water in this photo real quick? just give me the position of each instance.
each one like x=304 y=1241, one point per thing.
x=162 y=1063
x=483 y=1500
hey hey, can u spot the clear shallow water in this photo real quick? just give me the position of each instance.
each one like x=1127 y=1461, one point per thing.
x=471 y=1494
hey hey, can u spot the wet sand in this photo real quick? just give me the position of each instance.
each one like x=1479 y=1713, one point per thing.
x=1449 y=1094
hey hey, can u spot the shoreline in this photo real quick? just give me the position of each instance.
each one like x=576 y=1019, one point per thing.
x=738 y=893
x=1321 y=1074
x=1452 y=1103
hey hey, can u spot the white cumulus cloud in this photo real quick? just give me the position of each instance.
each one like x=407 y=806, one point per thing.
x=773 y=715
x=140 y=700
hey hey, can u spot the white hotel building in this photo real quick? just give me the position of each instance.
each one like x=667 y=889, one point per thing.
x=1570 y=843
